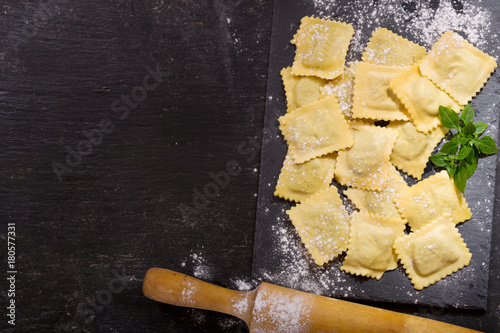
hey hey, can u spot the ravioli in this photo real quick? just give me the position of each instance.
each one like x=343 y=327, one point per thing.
x=300 y=90
x=430 y=198
x=342 y=88
x=457 y=67
x=432 y=252
x=316 y=129
x=370 y=250
x=321 y=47
x=373 y=98
x=322 y=223
x=421 y=98
x=297 y=182
x=413 y=148
x=366 y=164
x=379 y=202
x=389 y=49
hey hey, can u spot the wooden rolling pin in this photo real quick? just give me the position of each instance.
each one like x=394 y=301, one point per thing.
x=271 y=308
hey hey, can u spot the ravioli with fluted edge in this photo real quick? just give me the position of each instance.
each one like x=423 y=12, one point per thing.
x=432 y=252
x=321 y=47
x=315 y=130
x=422 y=98
x=370 y=251
x=389 y=49
x=298 y=181
x=430 y=198
x=322 y=223
x=457 y=67
x=366 y=165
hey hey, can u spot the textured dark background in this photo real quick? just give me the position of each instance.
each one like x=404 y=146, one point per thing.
x=85 y=240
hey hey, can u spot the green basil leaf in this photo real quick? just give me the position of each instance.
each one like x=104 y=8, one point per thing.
x=469 y=129
x=451 y=167
x=464 y=152
x=439 y=159
x=480 y=128
x=467 y=114
x=460 y=177
x=488 y=146
x=449 y=118
x=450 y=148
x=455 y=138
x=471 y=166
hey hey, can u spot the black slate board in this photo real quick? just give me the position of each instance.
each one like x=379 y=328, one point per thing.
x=280 y=257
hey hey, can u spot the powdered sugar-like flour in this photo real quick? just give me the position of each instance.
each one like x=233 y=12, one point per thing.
x=425 y=20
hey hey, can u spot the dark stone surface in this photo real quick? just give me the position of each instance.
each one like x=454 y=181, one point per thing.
x=84 y=242
x=287 y=263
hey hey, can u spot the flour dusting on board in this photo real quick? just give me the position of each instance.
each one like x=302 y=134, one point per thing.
x=424 y=20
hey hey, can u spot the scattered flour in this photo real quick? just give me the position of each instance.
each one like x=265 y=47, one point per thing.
x=424 y=20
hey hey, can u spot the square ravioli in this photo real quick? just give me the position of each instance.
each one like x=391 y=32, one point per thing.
x=373 y=97
x=366 y=164
x=300 y=90
x=297 y=182
x=342 y=88
x=322 y=223
x=433 y=252
x=370 y=251
x=413 y=148
x=379 y=202
x=316 y=129
x=421 y=98
x=389 y=49
x=457 y=67
x=321 y=47
x=430 y=198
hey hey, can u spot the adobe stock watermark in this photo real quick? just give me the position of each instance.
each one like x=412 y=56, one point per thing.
x=88 y=309
x=44 y=11
x=248 y=151
x=94 y=137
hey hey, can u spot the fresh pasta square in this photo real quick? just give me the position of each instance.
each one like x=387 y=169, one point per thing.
x=422 y=98
x=413 y=148
x=432 y=252
x=389 y=49
x=370 y=250
x=298 y=182
x=373 y=96
x=322 y=223
x=316 y=129
x=457 y=67
x=430 y=198
x=366 y=164
x=321 y=47
x=300 y=90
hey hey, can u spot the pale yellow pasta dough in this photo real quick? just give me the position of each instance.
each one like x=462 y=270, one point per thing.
x=316 y=129
x=322 y=223
x=457 y=67
x=342 y=88
x=413 y=148
x=297 y=182
x=432 y=252
x=379 y=202
x=421 y=98
x=370 y=250
x=389 y=49
x=300 y=90
x=321 y=47
x=430 y=198
x=366 y=164
x=373 y=98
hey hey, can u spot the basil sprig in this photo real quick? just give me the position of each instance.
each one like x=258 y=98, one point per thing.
x=460 y=154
